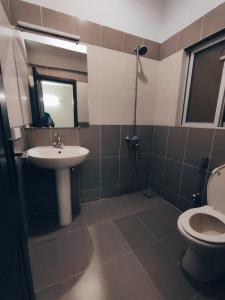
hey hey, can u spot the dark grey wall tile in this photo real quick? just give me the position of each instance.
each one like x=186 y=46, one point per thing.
x=176 y=142
x=111 y=38
x=90 y=138
x=172 y=175
x=127 y=170
x=89 y=32
x=126 y=130
x=218 y=150
x=190 y=35
x=157 y=168
x=160 y=140
x=109 y=191
x=146 y=134
x=143 y=164
x=109 y=171
x=38 y=137
x=199 y=143
x=131 y=42
x=189 y=184
x=153 y=49
x=26 y=12
x=155 y=186
x=127 y=187
x=141 y=185
x=110 y=140
x=184 y=204
x=169 y=47
x=169 y=195
x=57 y=20
x=68 y=135
x=89 y=195
x=89 y=172
x=74 y=178
x=214 y=21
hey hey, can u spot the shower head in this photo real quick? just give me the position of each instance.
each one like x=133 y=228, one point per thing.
x=141 y=50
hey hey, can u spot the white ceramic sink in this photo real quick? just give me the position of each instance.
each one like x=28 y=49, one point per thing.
x=54 y=158
x=60 y=160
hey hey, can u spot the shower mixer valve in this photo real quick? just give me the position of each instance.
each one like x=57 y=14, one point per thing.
x=133 y=144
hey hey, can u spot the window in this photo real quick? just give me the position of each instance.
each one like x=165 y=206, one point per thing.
x=205 y=87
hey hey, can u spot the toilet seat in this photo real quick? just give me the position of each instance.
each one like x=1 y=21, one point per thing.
x=213 y=234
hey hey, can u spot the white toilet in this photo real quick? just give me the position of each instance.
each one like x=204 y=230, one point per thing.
x=204 y=232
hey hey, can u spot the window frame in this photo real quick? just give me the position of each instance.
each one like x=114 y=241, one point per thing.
x=221 y=96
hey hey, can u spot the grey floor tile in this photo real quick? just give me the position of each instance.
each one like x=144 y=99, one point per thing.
x=96 y=212
x=52 y=293
x=77 y=223
x=54 y=259
x=108 y=242
x=156 y=224
x=134 y=231
x=169 y=213
x=175 y=245
x=103 y=283
x=165 y=273
x=131 y=203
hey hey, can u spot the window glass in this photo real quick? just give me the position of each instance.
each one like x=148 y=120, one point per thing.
x=205 y=84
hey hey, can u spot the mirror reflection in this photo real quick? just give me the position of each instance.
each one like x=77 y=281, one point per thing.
x=58 y=81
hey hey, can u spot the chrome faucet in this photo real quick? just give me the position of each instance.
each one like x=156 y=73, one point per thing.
x=58 y=142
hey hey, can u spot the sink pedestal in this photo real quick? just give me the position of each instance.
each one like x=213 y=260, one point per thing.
x=64 y=195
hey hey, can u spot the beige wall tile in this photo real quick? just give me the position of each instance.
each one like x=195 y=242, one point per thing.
x=111 y=38
x=57 y=20
x=168 y=89
x=146 y=108
x=94 y=105
x=131 y=42
x=89 y=32
x=169 y=46
x=148 y=74
x=127 y=107
x=153 y=49
x=25 y=11
x=111 y=106
x=190 y=35
x=214 y=21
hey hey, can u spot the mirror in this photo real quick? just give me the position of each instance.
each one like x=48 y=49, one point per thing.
x=58 y=81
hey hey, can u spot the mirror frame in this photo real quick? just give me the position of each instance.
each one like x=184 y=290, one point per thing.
x=37 y=103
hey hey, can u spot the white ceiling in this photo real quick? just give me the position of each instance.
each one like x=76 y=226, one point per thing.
x=153 y=19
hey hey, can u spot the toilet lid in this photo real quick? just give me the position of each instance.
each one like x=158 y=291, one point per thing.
x=216 y=189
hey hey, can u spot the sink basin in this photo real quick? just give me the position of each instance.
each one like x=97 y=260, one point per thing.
x=60 y=160
x=53 y=158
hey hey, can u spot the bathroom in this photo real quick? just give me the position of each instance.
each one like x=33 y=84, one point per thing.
x=111 y=126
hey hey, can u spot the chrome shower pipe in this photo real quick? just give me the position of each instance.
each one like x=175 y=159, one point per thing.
x=135 y=96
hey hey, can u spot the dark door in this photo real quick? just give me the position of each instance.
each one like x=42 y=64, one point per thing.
x=15 y=274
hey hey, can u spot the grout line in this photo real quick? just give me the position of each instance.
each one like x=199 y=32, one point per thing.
x=41 y=16
x=183 y=164
x=165 y=160
x=146 y=227
x=203 y=19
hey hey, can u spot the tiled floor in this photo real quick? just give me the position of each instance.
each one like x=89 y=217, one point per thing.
x=122 y=248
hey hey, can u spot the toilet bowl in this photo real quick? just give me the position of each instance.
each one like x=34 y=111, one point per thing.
x=203 y=229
